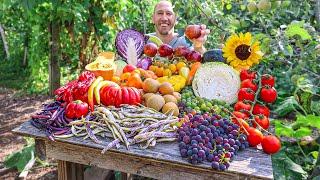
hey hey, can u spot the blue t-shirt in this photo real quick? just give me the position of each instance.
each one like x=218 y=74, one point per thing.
x=177 y=41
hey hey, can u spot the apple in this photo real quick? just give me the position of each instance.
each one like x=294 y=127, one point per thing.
x=194 y=56
x=150 y=49
x=129 y=68
x=165 y=50
x=193 y=31
x=181 y=51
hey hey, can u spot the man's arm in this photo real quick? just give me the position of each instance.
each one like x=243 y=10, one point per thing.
x=198 y=44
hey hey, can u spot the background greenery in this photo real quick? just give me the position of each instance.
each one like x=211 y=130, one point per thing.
x=288 y=32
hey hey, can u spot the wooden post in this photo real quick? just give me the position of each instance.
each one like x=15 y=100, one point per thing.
x=70 y=171
x=54 y=69
x=40 y=149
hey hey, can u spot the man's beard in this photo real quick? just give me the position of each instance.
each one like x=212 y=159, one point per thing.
x=164 y=32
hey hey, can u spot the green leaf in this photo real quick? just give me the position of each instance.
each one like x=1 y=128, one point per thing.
x=301 y=132
x=284 y=168
x=19 y=159
x=309 y=120
x=315 y=107
x=314 y=154
x=296 y=28
x=288 y=105
x=283 y=130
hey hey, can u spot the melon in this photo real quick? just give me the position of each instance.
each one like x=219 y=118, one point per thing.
x=102 y=67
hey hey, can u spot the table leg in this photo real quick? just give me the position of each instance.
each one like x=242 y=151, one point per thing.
x=70 y=171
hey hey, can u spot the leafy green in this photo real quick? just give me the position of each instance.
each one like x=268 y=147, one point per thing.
x=19 y=159
x=301 y=132
x=309 y=120
x=284 y=168
x=283 y=130
x=296 y=28
x=288 y=105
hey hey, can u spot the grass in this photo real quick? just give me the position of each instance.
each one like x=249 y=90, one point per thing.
x=13 y=76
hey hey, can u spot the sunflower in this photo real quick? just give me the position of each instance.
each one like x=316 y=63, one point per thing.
x=240 y=52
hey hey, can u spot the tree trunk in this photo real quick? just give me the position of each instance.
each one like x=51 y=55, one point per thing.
x=84 y=44
x=5 y=44
x=54 y=69
x=317 y=14
x=26 y=47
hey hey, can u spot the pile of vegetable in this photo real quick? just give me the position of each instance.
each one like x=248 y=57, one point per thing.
x=127 y=124
x=137 y=100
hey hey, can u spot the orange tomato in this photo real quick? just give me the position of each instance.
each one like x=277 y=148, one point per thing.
x=159 y=71
x=135 y=81
x=116 y=79
x=125 y=76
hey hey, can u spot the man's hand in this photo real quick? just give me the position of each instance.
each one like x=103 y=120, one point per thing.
x=198 y=43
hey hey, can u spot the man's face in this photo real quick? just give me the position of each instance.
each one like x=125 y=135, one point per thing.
x=164 y=18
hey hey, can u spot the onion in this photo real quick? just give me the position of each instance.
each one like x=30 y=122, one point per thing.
x=144 y=63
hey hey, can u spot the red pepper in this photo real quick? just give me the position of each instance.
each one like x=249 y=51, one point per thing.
x=76 y=109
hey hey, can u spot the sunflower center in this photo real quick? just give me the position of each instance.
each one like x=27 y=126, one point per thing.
x=243 y=51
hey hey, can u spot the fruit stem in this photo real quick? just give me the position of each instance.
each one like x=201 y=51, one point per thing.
x=238 y=121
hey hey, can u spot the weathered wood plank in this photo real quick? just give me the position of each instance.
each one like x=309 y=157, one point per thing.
x=70 y=171
x=40 y=149
x=249 y=163
x=131 y=164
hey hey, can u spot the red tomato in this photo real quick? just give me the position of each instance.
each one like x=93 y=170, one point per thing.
x=271 y=144
x=240 y=115
x=261 y=109
x=242 y=105
x=241 y=123
x=129 y=68
x=262 y=121
x=76 y=109
x=247 y=74
x=254 y=136
x=267 y=79
x=249 y=83
x=246 y=94
x=268 y=94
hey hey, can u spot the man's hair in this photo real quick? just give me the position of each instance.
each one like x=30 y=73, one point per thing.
x=154 y=9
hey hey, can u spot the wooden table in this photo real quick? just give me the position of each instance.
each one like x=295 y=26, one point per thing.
x=161 y=162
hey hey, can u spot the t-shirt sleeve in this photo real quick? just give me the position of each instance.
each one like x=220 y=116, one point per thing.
x=180 y=41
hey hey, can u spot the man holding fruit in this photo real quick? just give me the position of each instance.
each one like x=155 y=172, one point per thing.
x=164 y=20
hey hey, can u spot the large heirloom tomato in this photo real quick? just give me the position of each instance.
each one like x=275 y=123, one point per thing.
x=115 y=96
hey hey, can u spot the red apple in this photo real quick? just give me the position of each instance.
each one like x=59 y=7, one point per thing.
x=165 y=50
x=194 y=56
x=129 y=68
x=193 y=31
x=181 y=51
x=150 y=49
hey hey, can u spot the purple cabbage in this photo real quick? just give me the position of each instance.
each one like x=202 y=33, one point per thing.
x=122 y=41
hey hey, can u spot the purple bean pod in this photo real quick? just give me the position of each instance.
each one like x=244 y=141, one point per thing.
x=110 y=145
x=89 y=131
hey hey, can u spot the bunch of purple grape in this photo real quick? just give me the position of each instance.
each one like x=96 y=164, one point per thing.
x=210 y=138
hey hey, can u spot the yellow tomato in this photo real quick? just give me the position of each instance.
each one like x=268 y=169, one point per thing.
x=184 y=71
x=181 y=64
x=153 y=68
x=173 y=68
x=167 y=72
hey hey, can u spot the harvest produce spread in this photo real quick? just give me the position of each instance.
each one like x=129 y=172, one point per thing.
x=214 y=104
